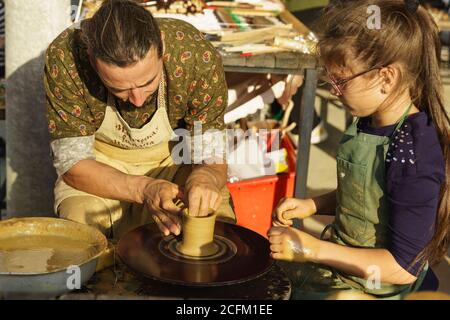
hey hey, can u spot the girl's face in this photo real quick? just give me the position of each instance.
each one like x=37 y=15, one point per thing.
x=360 y=91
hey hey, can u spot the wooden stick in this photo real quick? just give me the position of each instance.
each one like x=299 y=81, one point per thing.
x=232 y=4
x=255 y=12
x=288 y=17
x=257 y=35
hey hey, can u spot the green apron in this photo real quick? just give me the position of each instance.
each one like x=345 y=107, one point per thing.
x=362 y=216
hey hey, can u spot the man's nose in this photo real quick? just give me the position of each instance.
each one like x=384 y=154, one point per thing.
x=137 y=97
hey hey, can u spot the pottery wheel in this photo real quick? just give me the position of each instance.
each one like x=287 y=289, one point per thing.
x=243 y=255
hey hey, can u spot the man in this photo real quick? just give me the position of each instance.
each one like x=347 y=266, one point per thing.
x=116 y=88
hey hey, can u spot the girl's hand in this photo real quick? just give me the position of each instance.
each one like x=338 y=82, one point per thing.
x=290 y=208
x=292 y=245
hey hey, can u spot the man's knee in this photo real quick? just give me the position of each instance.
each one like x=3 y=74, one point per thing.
x=87 y=210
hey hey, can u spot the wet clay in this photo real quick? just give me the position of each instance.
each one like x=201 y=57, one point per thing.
x=198 y=236
x=43 y=245
x=40 y=254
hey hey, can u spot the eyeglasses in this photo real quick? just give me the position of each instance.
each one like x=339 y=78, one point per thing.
x=338 y=84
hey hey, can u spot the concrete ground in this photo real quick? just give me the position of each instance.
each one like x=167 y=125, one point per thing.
x=322 y=174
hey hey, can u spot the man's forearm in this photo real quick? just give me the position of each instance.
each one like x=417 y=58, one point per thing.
x=363 y=262
x=105 y=181
x=217 y=172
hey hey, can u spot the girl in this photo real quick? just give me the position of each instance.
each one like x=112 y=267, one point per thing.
x=392 y=203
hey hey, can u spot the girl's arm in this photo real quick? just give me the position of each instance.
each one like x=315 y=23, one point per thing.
x=291 y=244
x=363 y=263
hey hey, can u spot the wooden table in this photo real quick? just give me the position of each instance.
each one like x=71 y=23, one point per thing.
x=287 y=63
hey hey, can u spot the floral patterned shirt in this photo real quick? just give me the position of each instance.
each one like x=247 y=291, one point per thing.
x=76 y=97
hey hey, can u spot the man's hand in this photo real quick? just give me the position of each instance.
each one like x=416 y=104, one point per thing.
x=291 y=208
x=292 y=244
x=202 y=193
x=159 y=196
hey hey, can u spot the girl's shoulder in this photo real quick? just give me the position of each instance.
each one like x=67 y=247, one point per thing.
x=415 y=148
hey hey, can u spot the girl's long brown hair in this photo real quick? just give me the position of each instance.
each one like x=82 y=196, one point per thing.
x=409 y=38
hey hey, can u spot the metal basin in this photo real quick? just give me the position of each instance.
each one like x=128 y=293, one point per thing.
x=41 y=258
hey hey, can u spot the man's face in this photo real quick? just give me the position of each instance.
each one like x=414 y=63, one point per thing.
x=133 y=83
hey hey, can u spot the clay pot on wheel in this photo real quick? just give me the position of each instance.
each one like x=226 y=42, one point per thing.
x=198 y=236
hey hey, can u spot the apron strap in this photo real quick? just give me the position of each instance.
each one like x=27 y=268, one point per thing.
x=419 y=281
x=161 y=102
x=329 y=226
x=402 y=119
x=352 y=130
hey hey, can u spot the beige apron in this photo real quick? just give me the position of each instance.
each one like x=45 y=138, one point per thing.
x=143 y=151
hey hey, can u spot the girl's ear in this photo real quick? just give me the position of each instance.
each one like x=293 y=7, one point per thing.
x=390 y=76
